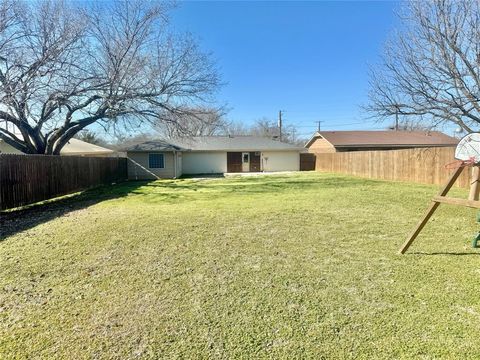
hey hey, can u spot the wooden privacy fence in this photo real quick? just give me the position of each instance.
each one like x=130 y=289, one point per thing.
x=416 y=165
x=26 y=179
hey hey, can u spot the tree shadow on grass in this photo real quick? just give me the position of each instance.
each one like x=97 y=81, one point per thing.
x=201 y=189
x=165 y=191
x=258 y=184
x=18 y=220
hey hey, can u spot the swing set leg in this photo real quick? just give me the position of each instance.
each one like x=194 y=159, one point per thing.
x=419 y=227
x=430 y=211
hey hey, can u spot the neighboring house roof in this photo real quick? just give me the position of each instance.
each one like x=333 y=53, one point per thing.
x=215 y=143
x=79 y=147
x=384 y=138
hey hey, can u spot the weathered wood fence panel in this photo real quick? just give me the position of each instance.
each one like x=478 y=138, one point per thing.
x=307 y=162
x=26 y=179
x=415 y=165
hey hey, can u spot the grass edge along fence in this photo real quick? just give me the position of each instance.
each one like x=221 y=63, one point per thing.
x=27 y=179
x=420 y=165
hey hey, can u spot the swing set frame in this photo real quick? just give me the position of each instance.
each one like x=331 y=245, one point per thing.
x=442 y=198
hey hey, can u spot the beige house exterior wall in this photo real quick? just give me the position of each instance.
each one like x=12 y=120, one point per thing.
x=212 y=162
x=281 y=160
x=138 y=166
x=205 y=162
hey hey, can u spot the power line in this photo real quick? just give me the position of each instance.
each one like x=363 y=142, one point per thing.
x=319 y=108
x=342 y=125
x=333 y=125
x=378 y=128
x=334 y=129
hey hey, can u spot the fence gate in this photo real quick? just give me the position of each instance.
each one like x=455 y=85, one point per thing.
x=307 y=162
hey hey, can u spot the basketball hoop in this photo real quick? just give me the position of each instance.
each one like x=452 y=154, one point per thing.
x=467 y=152
x=468 y=149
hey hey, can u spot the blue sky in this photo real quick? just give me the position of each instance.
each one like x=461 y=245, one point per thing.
x=309 y=59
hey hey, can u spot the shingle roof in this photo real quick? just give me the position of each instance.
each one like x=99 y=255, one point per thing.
x=385 y=138
x=79 y=147
x=215 y=143
x=154 y=145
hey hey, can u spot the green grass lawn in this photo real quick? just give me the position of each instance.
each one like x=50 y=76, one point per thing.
x=302 y=266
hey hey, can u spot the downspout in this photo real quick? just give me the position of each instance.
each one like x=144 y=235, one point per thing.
x=174 y=164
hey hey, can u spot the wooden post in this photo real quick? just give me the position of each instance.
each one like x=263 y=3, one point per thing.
x=431 y=210
x=475 y=184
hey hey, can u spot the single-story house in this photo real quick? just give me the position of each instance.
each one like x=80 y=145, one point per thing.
x=210 y=155
x=339 y=141
x=74 y=147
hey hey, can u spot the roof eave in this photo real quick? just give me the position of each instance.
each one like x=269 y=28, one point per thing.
x=216 y=150
x=312 y=139
x=149 y=150
x=249 y=149
x=87 y=152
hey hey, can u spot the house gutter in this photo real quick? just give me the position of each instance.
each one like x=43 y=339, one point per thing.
x=174 y=164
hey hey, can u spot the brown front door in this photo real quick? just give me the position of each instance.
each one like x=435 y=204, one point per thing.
x=234 y=162
x=255 y=161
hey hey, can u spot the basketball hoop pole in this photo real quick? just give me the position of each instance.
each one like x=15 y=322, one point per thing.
x=472 y=202
x=475 y=184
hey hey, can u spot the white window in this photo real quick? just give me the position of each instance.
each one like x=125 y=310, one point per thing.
x=156 y=161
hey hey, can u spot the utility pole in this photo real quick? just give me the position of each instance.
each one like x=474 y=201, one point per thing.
x=280 y=123
x=319 y=122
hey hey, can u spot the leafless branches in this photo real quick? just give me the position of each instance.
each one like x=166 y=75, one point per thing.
x=199 y=122
x=431 y=68
x=63 y=68
x=264 y=127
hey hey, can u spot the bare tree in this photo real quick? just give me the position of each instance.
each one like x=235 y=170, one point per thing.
x=91 y=137
x=123 y=141
x=411 y=124
x=236 y=128
x=63 y=68
x=198 y=122
x=431 y=68
x=265 y=128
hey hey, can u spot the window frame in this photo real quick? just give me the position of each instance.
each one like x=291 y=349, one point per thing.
x=150 y=162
